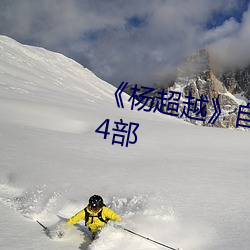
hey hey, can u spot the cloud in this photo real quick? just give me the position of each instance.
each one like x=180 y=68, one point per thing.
x=228 y=28
x=135 y=41
x=232 y=50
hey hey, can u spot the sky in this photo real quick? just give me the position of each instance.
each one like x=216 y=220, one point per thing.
x=138 y=41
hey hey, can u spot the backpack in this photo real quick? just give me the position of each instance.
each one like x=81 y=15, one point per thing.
x=88 y=216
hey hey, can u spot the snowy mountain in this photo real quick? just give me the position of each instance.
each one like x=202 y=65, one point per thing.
x=200 y=82
x=237 y=81
x=197 y=76
x=183 y=185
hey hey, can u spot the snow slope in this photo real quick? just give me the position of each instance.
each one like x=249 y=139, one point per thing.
x=182 y=185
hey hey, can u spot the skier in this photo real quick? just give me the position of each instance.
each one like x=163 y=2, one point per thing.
x=95 y=214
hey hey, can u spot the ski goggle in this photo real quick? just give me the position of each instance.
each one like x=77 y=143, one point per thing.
x=94 y=208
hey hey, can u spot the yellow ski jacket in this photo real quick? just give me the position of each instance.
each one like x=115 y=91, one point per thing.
x=94 y=223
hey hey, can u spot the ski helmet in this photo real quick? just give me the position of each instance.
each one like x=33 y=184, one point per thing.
x=95 y=202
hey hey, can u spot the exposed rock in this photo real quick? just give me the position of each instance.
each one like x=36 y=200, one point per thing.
x=237 y=81
x=195 y=77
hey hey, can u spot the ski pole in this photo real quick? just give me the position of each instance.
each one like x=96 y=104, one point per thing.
x=45 y=228
x=146 y=238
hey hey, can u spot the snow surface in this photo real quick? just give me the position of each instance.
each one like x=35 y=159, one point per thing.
x=182 y=185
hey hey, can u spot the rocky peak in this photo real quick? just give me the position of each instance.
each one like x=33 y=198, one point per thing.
x=197 y=64
x=198 y=77
x=237 y=81
x=197 y=68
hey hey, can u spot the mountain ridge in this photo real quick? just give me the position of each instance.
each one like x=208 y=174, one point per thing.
x=197 y=76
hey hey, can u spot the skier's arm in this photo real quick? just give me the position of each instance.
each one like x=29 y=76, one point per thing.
x=77 y=217
x=110 y=214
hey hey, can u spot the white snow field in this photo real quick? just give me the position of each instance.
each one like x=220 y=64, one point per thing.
x=182 y=185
